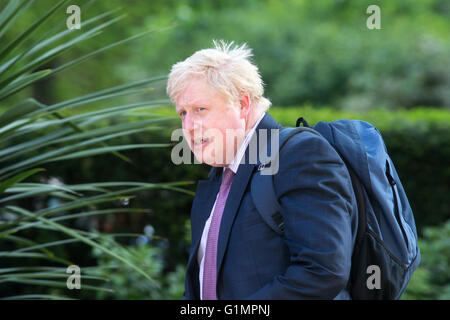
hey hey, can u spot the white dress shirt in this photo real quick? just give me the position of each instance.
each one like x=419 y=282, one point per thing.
x=234 y=165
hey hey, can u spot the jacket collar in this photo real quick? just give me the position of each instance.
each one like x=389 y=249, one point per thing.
x=267 y=123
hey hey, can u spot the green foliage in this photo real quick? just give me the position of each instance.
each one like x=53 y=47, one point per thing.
x=321 y=52
x=44 y=222
x=431 y=280
x=384 y=119
x=128 y=284
x=167 y=212
x=317 y=52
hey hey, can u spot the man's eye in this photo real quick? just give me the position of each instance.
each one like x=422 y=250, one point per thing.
x=201 y=109
x=182 y=113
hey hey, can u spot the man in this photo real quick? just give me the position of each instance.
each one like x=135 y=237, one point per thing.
x=234 y=253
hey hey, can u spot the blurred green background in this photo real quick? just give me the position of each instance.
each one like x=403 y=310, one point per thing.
x=317 y=59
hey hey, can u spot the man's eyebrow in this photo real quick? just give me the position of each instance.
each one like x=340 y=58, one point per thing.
x=194 y=104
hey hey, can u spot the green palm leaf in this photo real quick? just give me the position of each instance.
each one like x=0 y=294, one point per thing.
x=33 y=134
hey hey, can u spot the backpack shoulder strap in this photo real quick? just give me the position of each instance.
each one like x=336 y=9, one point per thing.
x=263 y=192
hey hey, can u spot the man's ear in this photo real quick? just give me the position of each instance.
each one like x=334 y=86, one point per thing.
x=245 y=105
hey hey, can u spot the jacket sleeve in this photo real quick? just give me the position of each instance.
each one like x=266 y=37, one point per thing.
x=317 y=201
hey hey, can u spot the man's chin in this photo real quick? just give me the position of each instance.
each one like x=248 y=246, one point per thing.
x=209 y=160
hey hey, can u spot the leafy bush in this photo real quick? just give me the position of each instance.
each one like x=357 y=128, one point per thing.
x=321 y=52
x=432 y=278
x=125 y=283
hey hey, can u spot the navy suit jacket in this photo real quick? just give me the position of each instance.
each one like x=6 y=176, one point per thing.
x=313 y=259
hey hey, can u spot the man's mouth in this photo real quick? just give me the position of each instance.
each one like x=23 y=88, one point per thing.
x=202 y=141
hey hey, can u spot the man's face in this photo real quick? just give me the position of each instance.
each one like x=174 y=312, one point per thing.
x=207 y=117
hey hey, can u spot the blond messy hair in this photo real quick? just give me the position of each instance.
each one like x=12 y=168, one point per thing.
x=226 y=68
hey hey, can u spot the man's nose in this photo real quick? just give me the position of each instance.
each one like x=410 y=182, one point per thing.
x=192 y=127
x=190 y=123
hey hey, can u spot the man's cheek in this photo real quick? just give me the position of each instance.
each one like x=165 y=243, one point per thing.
x=188 y=138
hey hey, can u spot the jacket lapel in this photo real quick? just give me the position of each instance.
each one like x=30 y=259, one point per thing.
x=201 y=208
x=238 y=187
x=205 y=196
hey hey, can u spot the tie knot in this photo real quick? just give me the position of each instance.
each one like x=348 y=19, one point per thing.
x=227 y=177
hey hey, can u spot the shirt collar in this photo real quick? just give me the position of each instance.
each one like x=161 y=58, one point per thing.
x=234 y=165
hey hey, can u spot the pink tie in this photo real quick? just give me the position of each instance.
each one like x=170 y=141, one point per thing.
x=210 y=264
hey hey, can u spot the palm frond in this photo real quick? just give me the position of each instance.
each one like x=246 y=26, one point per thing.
x=33 y=134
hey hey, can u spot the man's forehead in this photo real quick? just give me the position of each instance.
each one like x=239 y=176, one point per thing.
x=189 y=102
x=196 y=93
